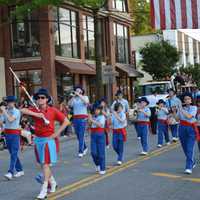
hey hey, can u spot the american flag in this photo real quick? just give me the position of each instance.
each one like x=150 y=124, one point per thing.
x=175 y=14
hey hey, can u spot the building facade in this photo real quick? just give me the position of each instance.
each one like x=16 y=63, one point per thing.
x=186 y=42
x=54 y=48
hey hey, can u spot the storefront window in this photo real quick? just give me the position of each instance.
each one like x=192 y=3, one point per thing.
x=121 y=43
x=64 y=84
x=31 y=79
x=88 y=31
x=65 y=33
x=119 y=5
x=25 y=36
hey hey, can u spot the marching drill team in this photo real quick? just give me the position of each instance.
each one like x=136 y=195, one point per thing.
x=180 y=117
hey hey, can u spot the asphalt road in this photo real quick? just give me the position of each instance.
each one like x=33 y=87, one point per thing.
x=158 y=176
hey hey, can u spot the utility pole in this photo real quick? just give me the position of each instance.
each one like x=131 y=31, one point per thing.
x=98 y=54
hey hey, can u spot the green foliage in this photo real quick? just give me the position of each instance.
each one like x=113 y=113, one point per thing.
x=23 y=6
x=194 y=71
x=140 y=13
x=159 y=59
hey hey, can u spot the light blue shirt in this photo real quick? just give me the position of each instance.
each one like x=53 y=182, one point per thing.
x=174 y=101
x=79 y=107
x=162 y=114
x=100 y=119
x=124 y=103
x=14 y=124
x=118 y=124
x=142 y=117
x=192 y=110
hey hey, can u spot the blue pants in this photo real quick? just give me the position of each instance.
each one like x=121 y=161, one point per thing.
x=13 y=144
x=174 y=130
x=136 y=129
x=162 y=131
x=80 y=126
x=98 y=149
x=143 y=131
x=118 y=145
x=187 y=139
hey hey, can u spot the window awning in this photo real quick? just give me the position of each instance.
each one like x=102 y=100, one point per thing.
x=130 y=70
x=75 y=67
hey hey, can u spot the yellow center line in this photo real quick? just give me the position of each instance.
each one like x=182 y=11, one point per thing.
x=113 y=170
x=172 y=176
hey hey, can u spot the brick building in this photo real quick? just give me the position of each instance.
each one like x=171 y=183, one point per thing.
x=54 y=48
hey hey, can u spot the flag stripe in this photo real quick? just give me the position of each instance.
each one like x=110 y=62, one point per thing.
x=157 y=14
x=152 y=14
x=167 y=14
x=178 y=14
x=198 y=13
x=189 y=13
x=183 y=14
x=173 y=14
x=194 y=14
x=162 y=14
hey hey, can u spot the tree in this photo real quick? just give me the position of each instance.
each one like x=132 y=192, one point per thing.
x=159 y=59
x=23 y=6
x=193 y=71
x=140 y=13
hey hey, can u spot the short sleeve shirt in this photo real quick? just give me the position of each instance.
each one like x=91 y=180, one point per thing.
x=14 y=112
x=100 y=119
x=118 y=124
x=52 y=114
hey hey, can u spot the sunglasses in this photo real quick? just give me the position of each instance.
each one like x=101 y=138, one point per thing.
x=40 y=97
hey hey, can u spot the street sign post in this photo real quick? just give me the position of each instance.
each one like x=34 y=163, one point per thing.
x=108 y=78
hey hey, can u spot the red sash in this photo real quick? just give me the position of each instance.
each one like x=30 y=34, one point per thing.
x=123 y=131
x=163 y=121
x=80 y=116
x=97 y=130
x=12 y=131
x=143 y=123
x=194 y=126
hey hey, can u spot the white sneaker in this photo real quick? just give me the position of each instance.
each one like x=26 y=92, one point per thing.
x=188 y=171
x=143 y=153
x=53 y=187
x=97 y=168
x=108 y=146
x=139 y=138
x=8 y=176
x=168 y=143
x=85 y=151
x=174 y=139
x=119 y=162
x=80 y=155
x=18 y=174
x=43 y=193
x=102 y=172
x=159 y=145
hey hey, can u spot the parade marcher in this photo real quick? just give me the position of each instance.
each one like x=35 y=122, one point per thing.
x=143 y=123
x=98 y=139
x=198 y=117
x=106 y=113
x=119 y=123
x=162 y=125
x=46 y=140
x=173 y=103
x=79 y=103
x=11 y=117
x=120 y=99
x=187 y=130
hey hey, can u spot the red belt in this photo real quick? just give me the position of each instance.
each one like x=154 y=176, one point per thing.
x=193 y=125
x=121 y=130
x=12 y=131
x=163 y=121
x=80 y=116
x=144 y=123
x=97 y=130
